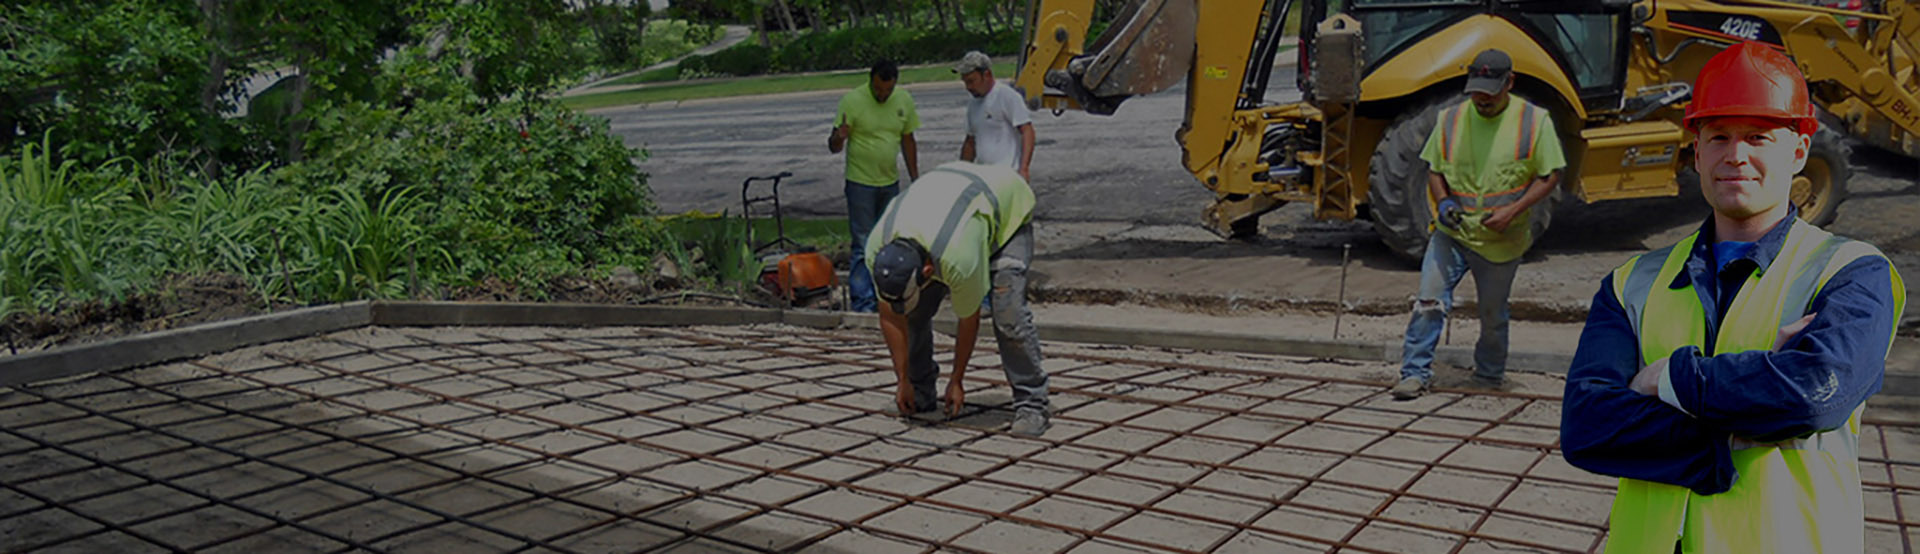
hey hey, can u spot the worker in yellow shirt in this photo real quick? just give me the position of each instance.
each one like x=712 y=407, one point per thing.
x=874 y=125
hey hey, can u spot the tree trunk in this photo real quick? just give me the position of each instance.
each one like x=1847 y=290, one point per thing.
x=906 y=14
x=786 y=15
x=219 y=34
x=296 y=122
x=942 y=12
x=959 y=16
x=853 y=12
x=760 y=22
x=813 y=20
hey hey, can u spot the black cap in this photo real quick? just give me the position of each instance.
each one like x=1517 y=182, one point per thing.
x=896 y=272
x=1489 y=72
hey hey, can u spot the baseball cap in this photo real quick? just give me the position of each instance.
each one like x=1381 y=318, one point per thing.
x=896 y=273
x=973 y=61
x=1488 y=72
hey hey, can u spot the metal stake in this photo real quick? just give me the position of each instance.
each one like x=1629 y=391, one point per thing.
x=1346 y=252
x=413 y=273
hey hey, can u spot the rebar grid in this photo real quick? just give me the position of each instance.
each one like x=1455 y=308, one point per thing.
x=770 y=438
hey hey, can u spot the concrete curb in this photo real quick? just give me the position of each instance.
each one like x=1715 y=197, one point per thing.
x=201 y=340
x=480 y=314
x=178 y=344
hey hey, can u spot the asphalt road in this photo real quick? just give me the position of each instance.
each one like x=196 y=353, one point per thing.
x=1124 y=167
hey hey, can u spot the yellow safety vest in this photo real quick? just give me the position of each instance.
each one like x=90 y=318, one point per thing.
x=1499 y=180
x=961 y=212
x=1800 y=496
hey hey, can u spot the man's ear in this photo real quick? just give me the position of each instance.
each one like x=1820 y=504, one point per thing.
x=926 y=270
x=1801 y=152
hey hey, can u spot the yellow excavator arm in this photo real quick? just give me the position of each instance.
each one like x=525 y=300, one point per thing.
x=1827 y=51
x=1152 y=46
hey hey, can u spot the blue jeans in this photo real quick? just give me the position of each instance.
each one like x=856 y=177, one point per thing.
x=864 y=205
x=1446 y=263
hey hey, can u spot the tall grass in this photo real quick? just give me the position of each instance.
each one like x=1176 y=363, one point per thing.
x=352 y=246
x=74 y=236
x=712 y=246
x=67 y=233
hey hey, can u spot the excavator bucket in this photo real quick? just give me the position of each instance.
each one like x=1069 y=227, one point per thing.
x=1148 y=49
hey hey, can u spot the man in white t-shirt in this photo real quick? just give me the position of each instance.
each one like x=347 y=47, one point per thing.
x=999 y=127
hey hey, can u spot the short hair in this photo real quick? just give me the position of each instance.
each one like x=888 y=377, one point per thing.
x=885 y=69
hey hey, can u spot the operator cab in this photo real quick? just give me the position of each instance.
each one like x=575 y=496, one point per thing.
x=1588 y=40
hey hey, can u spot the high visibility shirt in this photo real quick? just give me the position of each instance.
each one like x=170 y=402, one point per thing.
x=1693 y=466
x=961 y=213
x=873 y=148
x=1488 y=163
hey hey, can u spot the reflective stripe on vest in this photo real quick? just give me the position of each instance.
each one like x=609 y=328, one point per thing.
x=976 y=188
x=1801 y=495
x=1522 y=129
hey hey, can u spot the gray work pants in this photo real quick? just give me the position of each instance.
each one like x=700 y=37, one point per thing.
x=1012 y=328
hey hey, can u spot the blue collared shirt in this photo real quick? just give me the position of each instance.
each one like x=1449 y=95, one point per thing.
x=1812 y=383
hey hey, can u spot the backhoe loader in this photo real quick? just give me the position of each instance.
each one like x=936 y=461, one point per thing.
x=1616 y=75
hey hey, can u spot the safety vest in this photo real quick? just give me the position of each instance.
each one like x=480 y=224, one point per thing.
x=1482 y=185
x=933 y=209
x=1800 y=496
x=950 y=211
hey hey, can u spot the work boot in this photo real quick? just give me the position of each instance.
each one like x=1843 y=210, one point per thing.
x=1489 y=383
x=1031 y=423
x=1409 y=388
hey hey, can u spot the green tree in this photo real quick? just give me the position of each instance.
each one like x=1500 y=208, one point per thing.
x=106 y=77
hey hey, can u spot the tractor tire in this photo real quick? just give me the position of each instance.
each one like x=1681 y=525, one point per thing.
x=1397 y=182
x=1397 y=186
x=1820 y=188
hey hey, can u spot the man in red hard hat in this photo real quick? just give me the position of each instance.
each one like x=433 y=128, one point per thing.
x=1722 y=378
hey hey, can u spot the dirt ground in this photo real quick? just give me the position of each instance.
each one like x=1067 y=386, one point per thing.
x=179 y=301
x=1298 y=264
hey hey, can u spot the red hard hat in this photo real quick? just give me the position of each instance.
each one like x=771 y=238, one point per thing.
x=1751 y=79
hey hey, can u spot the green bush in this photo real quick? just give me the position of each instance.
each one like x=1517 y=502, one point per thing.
x=851 y=48
x=701 y=34
x=741 y=60
x=523 y=190
x=842 y=49
x=443 y=163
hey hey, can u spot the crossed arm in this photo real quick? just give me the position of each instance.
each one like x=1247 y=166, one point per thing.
x=1812 y=382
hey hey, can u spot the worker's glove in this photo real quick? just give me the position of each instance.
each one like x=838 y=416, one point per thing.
x=1451 y=213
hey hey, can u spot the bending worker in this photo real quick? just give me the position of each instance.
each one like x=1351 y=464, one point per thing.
x=961 y=229
x=1492 y=157
x=1722 y=378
